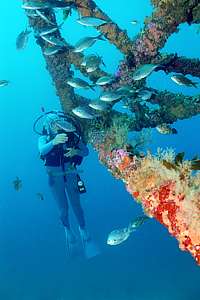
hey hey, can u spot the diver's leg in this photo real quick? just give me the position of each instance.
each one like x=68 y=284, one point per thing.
x=74 y=198
x=57 y=185
x=90 y=248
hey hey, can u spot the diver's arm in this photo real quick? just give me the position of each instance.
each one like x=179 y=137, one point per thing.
x=44 y=146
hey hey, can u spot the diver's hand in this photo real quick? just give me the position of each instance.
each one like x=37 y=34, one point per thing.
x=60 y=138
x=71 y=152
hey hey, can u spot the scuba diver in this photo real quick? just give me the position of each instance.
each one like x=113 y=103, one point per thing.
x=62 y=148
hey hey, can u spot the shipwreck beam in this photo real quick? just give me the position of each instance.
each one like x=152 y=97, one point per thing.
x=111 y=30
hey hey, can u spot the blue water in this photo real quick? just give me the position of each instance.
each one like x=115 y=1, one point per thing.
x=33 y=263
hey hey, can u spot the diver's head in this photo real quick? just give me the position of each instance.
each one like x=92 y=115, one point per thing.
x=50 y=123
x=55 y=124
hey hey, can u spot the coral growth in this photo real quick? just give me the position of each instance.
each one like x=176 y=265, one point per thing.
x=114 y=138
x=171 y=194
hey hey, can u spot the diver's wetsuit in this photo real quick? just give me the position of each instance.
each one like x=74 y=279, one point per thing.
x=63 y=178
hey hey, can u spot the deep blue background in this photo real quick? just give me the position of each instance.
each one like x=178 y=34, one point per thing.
x=33 y=264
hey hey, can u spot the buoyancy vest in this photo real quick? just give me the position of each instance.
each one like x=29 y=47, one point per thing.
x=56 y=157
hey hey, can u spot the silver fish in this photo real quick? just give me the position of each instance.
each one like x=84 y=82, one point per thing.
x=4 y=83
x=110 y=96
x=144 y=71
x=65 y=125
x=44 y=17
x=86 y=42
x=48 y=30
x=52 y=50
x=22 y=39
x=91 y=68
x=99 y=105
x=83 y=112
x=144 y=94
x=31 y=13
x=79 y=83
x=125 y=90
x=92 y=62
x=166 y=129
x=134 y=22
x=104 y=80
x=182 y=80
x=92 y=58
x=33 y=5
x=118 y=236
x=90 y=21
x=53 y=40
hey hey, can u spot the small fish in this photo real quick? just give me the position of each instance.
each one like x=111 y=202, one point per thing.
x=65 y=126
x=31 y=13
x=17 y=184
x=79 y=83
x=84 y=112
x=125 y=90
x=44 y=17
x=182 y=80
x=126 y=106
x=49 y=30
x=4 y=83
x=196 y=157
x=166 y=129
x=143 y=71
x=91 y=68
x=53 y=50
x=110 y=96
x=104 y=80
x=144 y=94
x=195 y=165
x=90 y=21
x=53 y=40
x=117 y=237
x=33 y=5
x=40 y=196
x=134 y=22
x=22 y=39
x=179 y=158
x=92 y=58
x=92 y=62
x=99 y=105
x=86 y=42
x=169 y=165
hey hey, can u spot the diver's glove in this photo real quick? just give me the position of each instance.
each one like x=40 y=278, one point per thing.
x=60 y=138
x=72 y=152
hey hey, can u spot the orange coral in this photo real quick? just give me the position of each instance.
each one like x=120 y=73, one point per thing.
x=125 y=163
x=171 y=196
